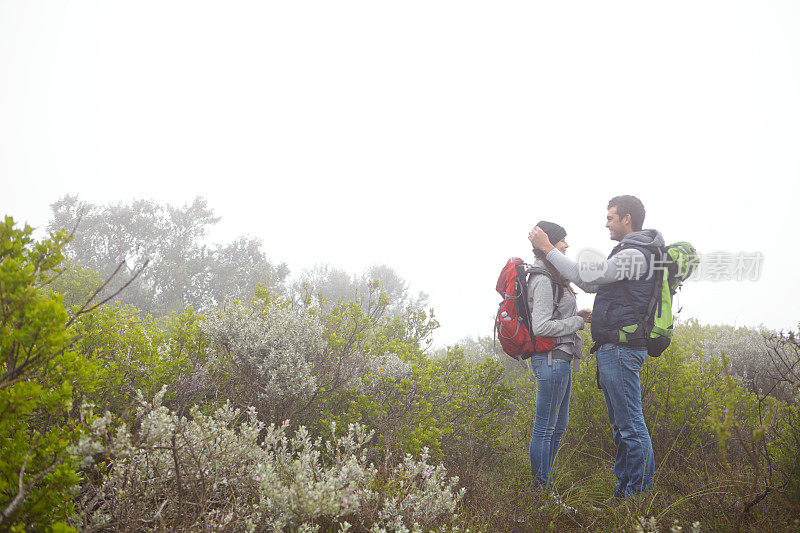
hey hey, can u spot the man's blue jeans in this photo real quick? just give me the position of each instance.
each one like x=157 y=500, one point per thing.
x=553 y=388
x=634 y=466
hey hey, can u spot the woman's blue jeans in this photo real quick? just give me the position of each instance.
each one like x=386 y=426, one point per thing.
x=634 y=466
x=553 y=388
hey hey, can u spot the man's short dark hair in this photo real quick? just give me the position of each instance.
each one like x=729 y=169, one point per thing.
x=629 y=205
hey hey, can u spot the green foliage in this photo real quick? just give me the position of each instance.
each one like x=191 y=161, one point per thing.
x=39 y=374
x=133 y=353
x=720 y=404
x=726 y=456
x=449 y=405
x=76 y=284
x=678 y=392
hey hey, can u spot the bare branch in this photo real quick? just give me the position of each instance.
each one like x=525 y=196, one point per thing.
x=20 y=497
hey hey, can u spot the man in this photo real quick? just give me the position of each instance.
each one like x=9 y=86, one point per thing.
x=624 y=287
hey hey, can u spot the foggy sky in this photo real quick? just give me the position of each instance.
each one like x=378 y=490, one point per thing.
x=429 y=136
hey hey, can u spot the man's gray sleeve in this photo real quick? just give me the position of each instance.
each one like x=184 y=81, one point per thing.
x=540 y=302
x=629 y=263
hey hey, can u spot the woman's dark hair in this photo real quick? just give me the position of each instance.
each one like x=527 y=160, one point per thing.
x=629 y=205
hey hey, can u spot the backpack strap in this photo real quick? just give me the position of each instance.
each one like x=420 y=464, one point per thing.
x=656 y=254
x=558 y=289
x=658 y=279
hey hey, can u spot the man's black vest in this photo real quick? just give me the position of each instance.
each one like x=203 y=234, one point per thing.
x=620 y=308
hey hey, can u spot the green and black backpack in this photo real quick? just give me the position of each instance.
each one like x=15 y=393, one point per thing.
x=672 y=265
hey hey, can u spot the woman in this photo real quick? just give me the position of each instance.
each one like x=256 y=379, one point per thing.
x=553 y=369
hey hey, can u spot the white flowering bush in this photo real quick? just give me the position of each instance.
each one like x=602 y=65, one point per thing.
x=385 y=366
x=263 y=353
x=281 y=358
x=650 y=525
x=95 y=439
x=420 y=493
x=226 y=470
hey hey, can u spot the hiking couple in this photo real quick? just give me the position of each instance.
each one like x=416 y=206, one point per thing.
x=623 y=291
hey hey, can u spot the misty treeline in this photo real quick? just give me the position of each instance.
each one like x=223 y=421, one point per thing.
x=183 y=270
x=151 y=381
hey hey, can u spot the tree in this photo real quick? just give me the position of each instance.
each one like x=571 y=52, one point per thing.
x=182 y=270
x=332 y=285
x=38 y=373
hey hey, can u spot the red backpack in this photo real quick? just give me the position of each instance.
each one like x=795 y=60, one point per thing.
x=513 y=321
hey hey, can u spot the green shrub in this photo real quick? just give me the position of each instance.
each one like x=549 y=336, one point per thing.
x=38 y=375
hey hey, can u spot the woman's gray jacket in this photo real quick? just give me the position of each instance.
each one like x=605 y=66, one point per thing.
x=561 y=323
